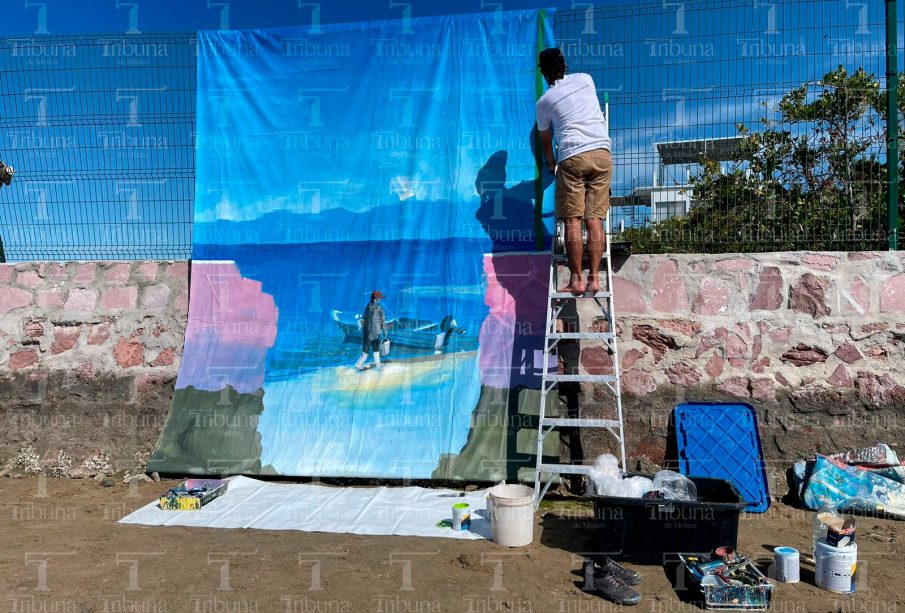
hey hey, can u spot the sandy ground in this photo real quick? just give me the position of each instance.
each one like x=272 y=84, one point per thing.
x=61 y=550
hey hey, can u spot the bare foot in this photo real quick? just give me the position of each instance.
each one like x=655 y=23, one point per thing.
x=577 y=287
x=593 y=284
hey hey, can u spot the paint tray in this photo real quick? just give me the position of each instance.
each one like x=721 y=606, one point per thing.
x=721 y=440
x=728 y=597
x=192 y=494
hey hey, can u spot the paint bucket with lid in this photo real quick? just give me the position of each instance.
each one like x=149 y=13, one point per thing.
x=786 y=564
x=836 y=567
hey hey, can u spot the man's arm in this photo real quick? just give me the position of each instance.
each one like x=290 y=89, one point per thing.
x=546 y=141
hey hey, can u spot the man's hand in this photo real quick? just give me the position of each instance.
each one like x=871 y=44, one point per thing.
x=546 y=141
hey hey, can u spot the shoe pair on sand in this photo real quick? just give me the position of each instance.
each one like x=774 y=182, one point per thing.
x=611 y=580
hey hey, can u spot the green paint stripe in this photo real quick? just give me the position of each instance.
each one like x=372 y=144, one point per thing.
x=539 y=154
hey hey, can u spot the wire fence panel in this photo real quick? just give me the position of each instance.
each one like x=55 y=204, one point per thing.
x=100 y=131
x=741 y=125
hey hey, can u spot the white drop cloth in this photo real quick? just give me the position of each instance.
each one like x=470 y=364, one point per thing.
x=249 y=503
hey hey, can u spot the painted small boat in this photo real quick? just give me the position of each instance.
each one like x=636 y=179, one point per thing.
x=402 y=331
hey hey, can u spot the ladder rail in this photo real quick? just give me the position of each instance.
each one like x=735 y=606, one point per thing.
x=549 y=381
x=617 y=366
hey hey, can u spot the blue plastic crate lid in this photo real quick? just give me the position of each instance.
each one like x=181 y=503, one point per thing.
x=721 y=440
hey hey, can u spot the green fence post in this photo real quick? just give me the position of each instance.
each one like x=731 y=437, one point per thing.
x=892 y=123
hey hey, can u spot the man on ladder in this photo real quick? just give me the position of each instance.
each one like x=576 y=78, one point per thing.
x=569 y=112
x=585 y=166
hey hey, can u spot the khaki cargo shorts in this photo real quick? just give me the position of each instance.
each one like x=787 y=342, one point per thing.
x=583 y=185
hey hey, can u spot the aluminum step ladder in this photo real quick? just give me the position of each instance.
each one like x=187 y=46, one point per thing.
x=546 y=473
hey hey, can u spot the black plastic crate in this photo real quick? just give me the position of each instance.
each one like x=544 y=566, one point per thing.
x=653 y=531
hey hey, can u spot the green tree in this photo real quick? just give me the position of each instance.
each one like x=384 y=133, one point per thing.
x=808 y=178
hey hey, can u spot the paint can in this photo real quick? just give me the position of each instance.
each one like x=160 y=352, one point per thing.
x=836 y=567
x=461 y=517
x=786 y=564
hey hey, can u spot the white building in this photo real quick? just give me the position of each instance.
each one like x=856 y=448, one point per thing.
x=670 y=195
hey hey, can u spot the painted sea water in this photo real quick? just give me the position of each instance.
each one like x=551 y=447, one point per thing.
x=417 y=406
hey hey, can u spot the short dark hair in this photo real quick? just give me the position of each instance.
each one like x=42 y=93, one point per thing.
x=551 y=61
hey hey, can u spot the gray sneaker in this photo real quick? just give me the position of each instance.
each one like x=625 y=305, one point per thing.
x=608 y=586
x=625 y=575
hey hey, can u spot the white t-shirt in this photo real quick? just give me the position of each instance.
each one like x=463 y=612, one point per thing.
x=570 y=105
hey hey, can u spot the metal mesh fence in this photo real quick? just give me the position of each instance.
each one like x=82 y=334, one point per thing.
x=741 y=125
x=100 y=130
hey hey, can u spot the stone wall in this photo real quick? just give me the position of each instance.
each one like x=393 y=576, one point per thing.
x=89 y=354
x=813 y=341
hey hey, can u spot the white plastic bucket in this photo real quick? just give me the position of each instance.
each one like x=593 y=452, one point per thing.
x=512 y=514
x=836 y=567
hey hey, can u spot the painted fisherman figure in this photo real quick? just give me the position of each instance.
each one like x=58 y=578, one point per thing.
x=373 y=326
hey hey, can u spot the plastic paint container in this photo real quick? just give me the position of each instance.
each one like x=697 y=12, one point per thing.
x=786 y=562
x=461 y=517
x=836 y=567
x=512 y=514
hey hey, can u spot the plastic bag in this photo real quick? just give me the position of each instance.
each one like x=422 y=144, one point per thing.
x=673 y=486
x=606 y=480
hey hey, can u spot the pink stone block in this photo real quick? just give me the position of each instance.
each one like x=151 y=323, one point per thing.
x=735 y=264
x=669 y=294
x=768 y=295
x=12 y=298
x=34 y=329
x=630 y=357
x=683 y=375
x=165 y=358
x=840 y=378
x=23 y=359
x=596 y=361
x=120 y=298
x=6 y=273
x=862 y=255
x=48 y=298
x=64 y=338
x=763 y=390
x=760 y=366
x=81 y=300
x=52 y=271
x=712 y=298
x=145 y=272
x=714 y=366
x=98 y=334
x=637 y=383
x=155 y=297
x=128 y=354
x=117 y=274
x=892 y=294
x=735 y=386
x=628 y=297
x=85 y=273
x=179 y=270
x=820 y=262
x=780 y=335
x=29 y=278
x=858 y=298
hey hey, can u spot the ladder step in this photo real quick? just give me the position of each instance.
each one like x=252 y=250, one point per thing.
x=565 y=469
x=562 y=295
x=581 y=335
x=564 y=422
x=562 y=257
x=581 y=378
